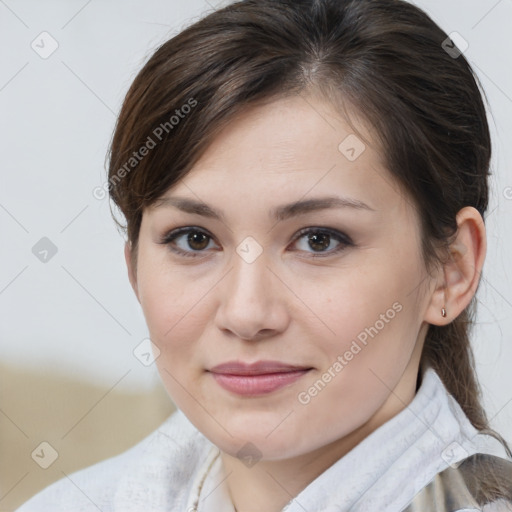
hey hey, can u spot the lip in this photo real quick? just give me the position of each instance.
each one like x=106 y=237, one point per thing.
x=256 y=368
x=259 y=378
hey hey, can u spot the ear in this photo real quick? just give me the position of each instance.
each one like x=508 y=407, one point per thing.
x=461 y=274
x=132 y=273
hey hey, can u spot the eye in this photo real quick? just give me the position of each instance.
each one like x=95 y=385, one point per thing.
x=196 y=238
x=321 y=238
x=181 y=240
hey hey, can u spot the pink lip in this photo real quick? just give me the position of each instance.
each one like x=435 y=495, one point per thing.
x=257 y=378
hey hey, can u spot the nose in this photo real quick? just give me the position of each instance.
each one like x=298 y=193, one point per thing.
x=252 y=303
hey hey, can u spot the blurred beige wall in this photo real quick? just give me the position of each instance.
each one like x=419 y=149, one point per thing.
x=82 y=422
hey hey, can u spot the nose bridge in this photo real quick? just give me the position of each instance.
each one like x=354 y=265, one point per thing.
x=251 y=276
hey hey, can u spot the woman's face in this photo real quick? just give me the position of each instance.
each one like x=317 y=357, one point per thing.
x=287 y=331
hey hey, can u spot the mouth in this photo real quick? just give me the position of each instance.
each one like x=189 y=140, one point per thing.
x=259 y=378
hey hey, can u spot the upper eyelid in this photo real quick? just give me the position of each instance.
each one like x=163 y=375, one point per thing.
x=186 y=229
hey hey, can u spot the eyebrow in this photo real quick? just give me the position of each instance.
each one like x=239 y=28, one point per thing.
x=279 y=213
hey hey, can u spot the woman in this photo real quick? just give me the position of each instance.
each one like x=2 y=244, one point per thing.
x=304 y=185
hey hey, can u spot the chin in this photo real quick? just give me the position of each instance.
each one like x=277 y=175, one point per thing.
x=258 y=446
x=250 y=434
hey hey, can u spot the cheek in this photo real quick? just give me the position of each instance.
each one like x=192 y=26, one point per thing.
x=174 y=316
x=171 y=303
x=371 y=314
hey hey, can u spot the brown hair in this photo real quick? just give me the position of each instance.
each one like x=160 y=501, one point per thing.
x=387 y=58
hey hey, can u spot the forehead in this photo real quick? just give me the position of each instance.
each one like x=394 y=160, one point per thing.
x=291 y=130
x=289 y=149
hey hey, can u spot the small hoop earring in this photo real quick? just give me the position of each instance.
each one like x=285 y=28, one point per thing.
x=443 y=312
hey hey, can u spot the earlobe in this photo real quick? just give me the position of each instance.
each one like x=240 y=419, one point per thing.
x=461 y=274
x=132 y=274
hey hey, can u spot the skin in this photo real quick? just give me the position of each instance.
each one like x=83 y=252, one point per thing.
x=287 y=306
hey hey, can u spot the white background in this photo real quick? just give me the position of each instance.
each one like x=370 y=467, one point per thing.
x=77 y=313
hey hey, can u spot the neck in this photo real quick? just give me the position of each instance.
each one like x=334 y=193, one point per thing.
x=270 y=484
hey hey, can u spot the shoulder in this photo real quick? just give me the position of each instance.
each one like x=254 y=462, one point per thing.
x=85 y=490
x=480 y=480
x=134 y=477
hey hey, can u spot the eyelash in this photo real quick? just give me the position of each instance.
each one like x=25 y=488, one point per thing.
x=344 y=240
